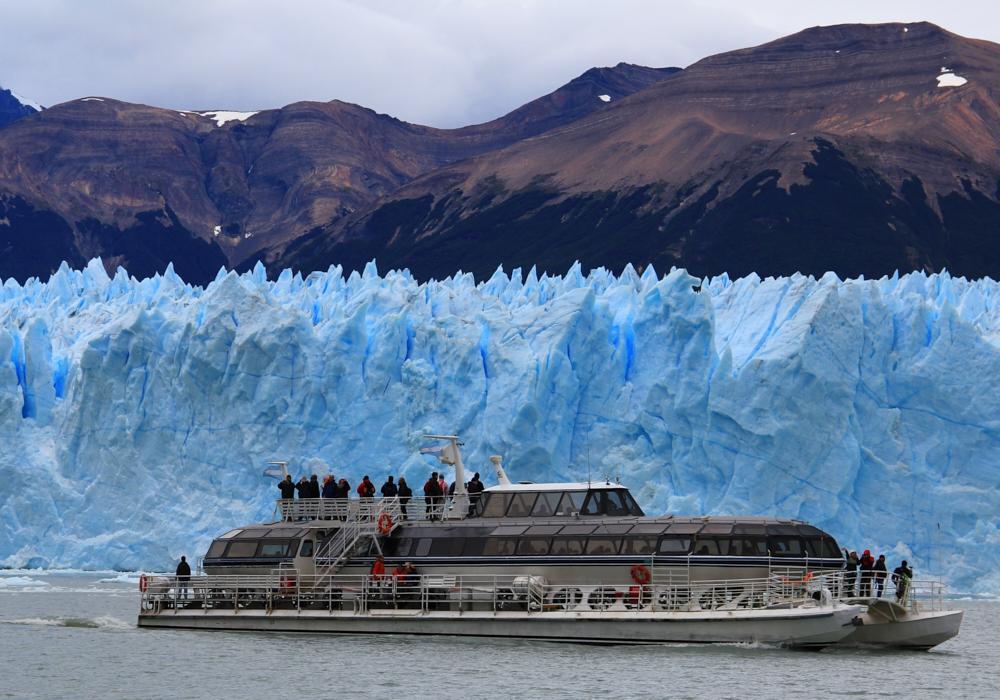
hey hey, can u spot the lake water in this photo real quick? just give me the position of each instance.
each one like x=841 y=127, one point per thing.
x=74 y=636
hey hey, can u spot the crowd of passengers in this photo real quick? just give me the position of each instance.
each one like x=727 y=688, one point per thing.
x=865 y=576
x=437 y=491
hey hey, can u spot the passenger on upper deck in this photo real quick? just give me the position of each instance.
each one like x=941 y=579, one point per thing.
x=901 y=576
x=389 y=489
x=475 y=488
x=880 y=575
x=303 y=488
x=405 y=493
x=867 y=566
x=343 y=489
x=366 y=489
x=287 y=487
x=314 y=487
x=330 y=487
x=432 y=494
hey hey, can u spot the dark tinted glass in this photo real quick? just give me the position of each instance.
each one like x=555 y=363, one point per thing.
x=567 y=546
x=307 y=549
x=403 y=547
x=520 y=505
x=457 y=547
x=750 y=529
x=639 y=545
x=474 y=547
x=750 y=546
x=423 y=547
x=496 y=506
x=441 y=547
x=546 y=504
x=785 y=547
x=217 y=548
x=500 y=547
x=571 y=503
x=684 y=528
x=633 y=507
x=533 y=546
x=593 y=505
x=707 y=546
x=241 y=549
x=673 y=544
x=277 y=548
x=614 y=504
x=602 y=546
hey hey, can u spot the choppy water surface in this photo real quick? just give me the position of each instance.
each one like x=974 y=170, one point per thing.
x=64 y=636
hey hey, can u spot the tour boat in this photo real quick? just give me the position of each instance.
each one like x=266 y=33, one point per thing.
x=564 y=561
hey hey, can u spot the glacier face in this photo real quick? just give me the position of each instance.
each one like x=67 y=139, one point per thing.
x=136 y=416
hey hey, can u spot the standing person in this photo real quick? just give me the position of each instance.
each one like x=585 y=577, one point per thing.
x=880 y=575
x=443 y=485
x=343 y=489
x=475 y=488
x=366 y=489
x=431 y=492
x=330 y=487
x=901 y=576
x=405 y=493
x=389 y=489
x=867 y=566
x=183 y=578
x=314 y=487
x=852 y=571
x=303 y=488
x=287 y=487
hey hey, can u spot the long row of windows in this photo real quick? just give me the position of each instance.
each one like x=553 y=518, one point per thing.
x=251 y=549
x=556 y=503
x=605 y=545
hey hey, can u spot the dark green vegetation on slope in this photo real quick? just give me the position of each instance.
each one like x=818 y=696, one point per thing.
x=846 y=219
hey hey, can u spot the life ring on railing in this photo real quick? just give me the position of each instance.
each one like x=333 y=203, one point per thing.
x=641 y=575
x=384 y=524
x=143 y=583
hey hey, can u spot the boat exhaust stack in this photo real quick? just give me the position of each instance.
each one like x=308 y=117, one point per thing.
x=501 y=475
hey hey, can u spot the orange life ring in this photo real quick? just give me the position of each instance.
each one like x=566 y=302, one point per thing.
x=641 y=575
x=384 y=524
x=143 y=583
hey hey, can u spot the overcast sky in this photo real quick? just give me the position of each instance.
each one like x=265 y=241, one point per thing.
x=438 y=62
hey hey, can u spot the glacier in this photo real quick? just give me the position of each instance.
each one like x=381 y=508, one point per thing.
x=137 y=416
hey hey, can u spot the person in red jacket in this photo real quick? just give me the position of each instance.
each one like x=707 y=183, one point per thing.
x=366 y=489
x=378 y=569
x=432 y=495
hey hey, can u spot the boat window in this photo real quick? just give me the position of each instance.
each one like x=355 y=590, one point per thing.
x=543 y=529
x=612 y=529
x=307 y=549
x=785 y=546
x=546 y=504
x=784 y=530
x=592 y=506
x=250 y=534
x=717 y=529
x=614 y=503
x=283 y=533
x=217 y=548
x=500 y=547
x=423 y=547
x=602 y=545
x=241 y=549
x=474 y=547
x=750 y=529
x=633 y=507
x=578 y=529
x=567 y=546
x=497 y=505
x=231 y=533
x=675 y=545
x=457 y=547
x=572 y=502
x=640 y=545
x=649 y=528
x=504 y=530
x=520 y=505
x=403 y=547
x=707 y=547
x=685 y=528
x=533 y=546
x=479 y=504
x=751 y=547
x=832 y=550
x=276 y=548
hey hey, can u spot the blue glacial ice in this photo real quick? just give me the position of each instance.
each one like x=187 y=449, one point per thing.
x=136 y=416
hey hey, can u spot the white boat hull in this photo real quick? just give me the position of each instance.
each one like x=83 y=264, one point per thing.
x=809 y=628
x=909 y=630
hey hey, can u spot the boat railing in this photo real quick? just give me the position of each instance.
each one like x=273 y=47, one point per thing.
x=414 y=593
x=364 y=509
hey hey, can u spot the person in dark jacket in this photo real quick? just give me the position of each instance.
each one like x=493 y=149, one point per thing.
x=475 y=488
x=303 y=488
x=183 y=577
x=880 y=574
x=389 y=489
x=287 y=487
x=867 y=566
x=314 y=487
x=405 y=493
x=343 y=489
x=330 y=487
x=851 y=577
x=432 y=494
x=901 y=576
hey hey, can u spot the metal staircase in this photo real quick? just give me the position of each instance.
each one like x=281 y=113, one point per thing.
x=334 y=553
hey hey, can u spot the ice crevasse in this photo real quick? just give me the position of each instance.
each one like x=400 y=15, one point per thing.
x=136 y=416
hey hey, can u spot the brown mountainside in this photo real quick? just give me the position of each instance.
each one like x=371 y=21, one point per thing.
x=856 y=148
x=144 y=186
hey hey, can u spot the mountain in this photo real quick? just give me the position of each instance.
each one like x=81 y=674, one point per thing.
x=142 y=186
x=13 y=107
x=857 y=149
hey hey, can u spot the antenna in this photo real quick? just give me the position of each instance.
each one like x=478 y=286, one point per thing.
x=588 y=456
